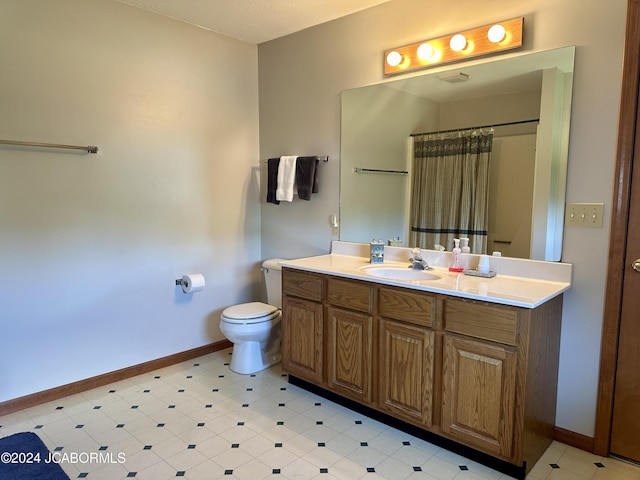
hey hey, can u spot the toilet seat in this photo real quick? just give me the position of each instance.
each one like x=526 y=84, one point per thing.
x=248 y=313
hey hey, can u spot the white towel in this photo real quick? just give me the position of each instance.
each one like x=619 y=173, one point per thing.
x=286 y=178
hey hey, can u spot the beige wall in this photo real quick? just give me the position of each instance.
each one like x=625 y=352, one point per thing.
x=301 y=77
x=91 y=245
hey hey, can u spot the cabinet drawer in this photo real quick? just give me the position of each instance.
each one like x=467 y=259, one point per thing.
x=302 y=284
x=350 y=294
x=411 y=307
x=482 y=320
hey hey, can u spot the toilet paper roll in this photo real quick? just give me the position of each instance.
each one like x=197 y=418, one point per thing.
x=192 y=283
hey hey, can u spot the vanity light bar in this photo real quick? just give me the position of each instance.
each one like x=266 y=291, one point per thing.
x=496 y=37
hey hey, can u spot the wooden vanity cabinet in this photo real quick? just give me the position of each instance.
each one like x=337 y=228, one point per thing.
x=481 y=374
x=478 y=398
x=406 y=352
x=349 y=339
x=328 y=332
x=499 y=377
x=303 y=325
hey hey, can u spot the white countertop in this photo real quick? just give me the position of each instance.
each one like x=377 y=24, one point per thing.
x=504 y=289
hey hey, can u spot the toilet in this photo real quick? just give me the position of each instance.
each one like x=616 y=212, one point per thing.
x=254 y=328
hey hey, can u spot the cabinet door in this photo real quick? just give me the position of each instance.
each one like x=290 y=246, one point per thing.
x=478 y=394
x=406 y=371
x=302 y=351
x=349 y=347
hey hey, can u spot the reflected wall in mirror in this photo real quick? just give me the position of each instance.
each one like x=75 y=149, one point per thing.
x=528 y=163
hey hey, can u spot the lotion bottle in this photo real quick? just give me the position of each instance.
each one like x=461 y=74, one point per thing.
x=457 y=266
x=464 y=245
x=466 y=249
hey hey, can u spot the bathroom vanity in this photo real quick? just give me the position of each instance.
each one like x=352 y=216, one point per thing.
x=465 y=361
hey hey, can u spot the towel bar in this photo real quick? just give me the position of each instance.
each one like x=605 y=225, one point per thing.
x=89 y=149
x=323 y=158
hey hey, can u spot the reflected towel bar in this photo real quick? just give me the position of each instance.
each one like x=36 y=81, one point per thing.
x=89 y=149
x=324 y=158
x=373 y=170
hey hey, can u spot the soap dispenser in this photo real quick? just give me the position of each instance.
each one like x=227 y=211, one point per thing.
x=464 y=245
x=456 y=266
x=465 y=249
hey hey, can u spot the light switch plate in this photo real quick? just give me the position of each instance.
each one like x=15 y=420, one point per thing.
x=583 y=215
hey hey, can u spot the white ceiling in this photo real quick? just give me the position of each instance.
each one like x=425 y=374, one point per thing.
x=254 y=21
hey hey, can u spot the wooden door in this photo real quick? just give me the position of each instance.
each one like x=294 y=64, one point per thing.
x=625 y=427
x=617 y=423
x=478 y=397
x=406 y=371
x=349 y=349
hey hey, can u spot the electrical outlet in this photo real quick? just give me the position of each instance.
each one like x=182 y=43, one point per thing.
x=584 y=215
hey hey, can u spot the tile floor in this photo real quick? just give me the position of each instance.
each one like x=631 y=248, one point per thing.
x=198 y=420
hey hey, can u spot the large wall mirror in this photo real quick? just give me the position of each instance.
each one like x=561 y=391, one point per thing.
x=525 y=98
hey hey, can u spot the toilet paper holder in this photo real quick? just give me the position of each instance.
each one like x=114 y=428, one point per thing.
x=191 y=283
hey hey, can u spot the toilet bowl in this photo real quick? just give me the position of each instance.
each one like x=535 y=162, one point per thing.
x=254 y=328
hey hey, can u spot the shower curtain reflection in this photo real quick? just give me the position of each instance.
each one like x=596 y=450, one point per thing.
x=449 y=191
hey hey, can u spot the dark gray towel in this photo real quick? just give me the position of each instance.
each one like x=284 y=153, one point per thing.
x=306 y=177
x=272 y=180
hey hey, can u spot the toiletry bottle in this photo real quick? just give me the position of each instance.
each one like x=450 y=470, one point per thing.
x=465 y=249
x=464 y=245
x=456 y=266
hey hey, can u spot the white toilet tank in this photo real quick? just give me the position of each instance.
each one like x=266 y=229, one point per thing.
x=273 y=280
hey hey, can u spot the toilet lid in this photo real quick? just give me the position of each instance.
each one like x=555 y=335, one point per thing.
x=246 y=312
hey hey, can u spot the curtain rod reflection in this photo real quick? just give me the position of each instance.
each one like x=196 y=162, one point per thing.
x=478 y=127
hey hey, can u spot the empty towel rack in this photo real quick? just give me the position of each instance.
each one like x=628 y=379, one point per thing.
x=89 y=149
x=375 y=170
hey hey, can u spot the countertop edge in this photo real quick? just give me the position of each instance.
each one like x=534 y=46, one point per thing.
x=307 y=264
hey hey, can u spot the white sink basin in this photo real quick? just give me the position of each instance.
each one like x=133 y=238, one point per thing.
x=399 y=273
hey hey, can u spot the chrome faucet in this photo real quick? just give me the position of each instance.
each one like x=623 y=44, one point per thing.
x=417 y=262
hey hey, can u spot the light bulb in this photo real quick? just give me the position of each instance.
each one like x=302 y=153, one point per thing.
x=458 y=42
x=425 y=52
x=496 y=33
x=394 y=58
